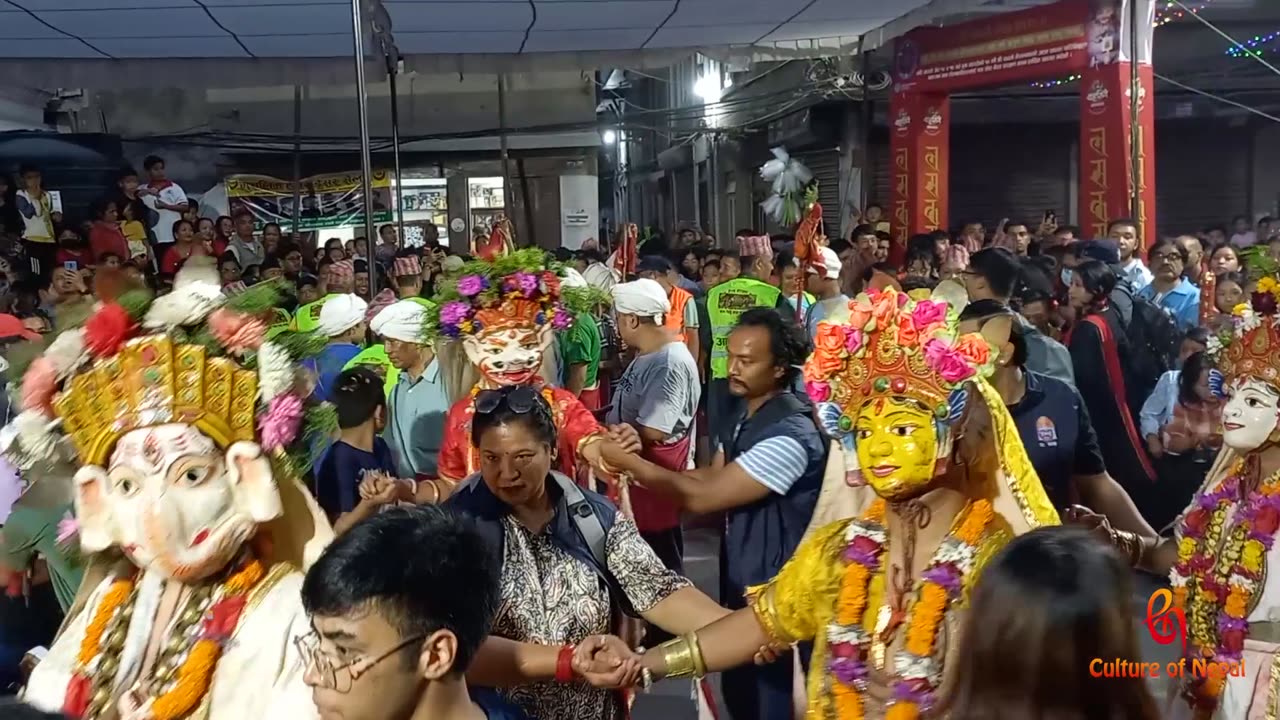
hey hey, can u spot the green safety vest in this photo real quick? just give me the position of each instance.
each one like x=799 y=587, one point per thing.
x=725 y=304
x=280 y=324
x=307 y=317
x=376 y=357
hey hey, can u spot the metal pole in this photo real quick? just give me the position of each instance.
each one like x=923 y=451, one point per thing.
x=398 y=199
x=502 y=145
x=366 y=154
x=297 y=163
x=1135 y=125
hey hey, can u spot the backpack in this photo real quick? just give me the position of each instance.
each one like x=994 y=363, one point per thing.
x=1149 y=349
x=591 y=527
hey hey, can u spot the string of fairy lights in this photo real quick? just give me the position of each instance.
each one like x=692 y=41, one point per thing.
x=1168 y=11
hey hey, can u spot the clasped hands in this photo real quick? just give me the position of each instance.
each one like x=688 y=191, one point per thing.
x=606 y=662
x=378 y=489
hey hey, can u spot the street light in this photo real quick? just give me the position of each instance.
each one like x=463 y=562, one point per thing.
x=708 y=88
x=610 y=137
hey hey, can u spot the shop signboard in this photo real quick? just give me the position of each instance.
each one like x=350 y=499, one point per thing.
x=328 y=201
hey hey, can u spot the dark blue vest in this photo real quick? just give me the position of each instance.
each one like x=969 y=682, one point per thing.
x=762 y=536
x=474 y=500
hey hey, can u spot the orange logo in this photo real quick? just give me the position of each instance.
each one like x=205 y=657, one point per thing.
x=1168 y=623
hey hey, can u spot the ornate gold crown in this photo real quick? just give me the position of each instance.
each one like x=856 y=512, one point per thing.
x=1255 y=353
x=152 y=382
x=889 y=345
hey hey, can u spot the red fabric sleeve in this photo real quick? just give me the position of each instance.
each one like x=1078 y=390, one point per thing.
x=452 y=461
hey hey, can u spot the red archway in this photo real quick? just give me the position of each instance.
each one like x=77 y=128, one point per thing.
x=1085 y=37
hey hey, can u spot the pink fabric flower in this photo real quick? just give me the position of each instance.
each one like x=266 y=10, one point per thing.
x=39 y=385
x=928 y=313
x=472 y=285
x=853 y=340
x=561 y=319
x=235 y=332
x=279 y=425
x=68 y=529
x=947 y=362
x=818 y=391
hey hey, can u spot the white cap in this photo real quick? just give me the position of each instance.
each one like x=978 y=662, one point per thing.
x=401 y=320
x=340 y=313
x=827 y=265
x=643 y=298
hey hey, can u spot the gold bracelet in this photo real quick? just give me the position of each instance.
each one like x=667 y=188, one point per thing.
x=695 y=649
x=678 y=657
x=435 y=490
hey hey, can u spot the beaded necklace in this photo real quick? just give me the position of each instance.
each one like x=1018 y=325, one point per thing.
x=184 y=671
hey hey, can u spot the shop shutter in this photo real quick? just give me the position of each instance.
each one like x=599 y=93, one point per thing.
x=881 y=174
x=1010 y=171
x=825 y=166
x=1202 y=175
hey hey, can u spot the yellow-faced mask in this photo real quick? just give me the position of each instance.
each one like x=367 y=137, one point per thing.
x=899 y=447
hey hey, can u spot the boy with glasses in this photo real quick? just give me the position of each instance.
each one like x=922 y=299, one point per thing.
x=399 y=607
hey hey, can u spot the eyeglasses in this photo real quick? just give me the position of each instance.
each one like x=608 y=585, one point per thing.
x=1161 y=257
x=520 y=400
x=331 y=676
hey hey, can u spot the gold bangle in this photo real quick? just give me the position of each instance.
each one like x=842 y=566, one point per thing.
x=762 y=604
x=435 y=490
x=695 y=649
x=678 y=657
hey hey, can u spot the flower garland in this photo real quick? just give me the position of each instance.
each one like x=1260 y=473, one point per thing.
x=193 y=677
x=1215 y=586
x=916 y=671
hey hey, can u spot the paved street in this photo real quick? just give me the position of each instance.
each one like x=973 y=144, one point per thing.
x=672 y=700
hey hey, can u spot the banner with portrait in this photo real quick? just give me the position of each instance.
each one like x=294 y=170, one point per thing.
x=328 y=201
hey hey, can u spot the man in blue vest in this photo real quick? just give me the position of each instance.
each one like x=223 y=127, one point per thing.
x=766 y=477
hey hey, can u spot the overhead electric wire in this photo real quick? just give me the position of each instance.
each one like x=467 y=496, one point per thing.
x=1233 y=41
x=1217 y=98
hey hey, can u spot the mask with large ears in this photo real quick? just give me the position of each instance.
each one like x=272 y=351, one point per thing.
x=509 y=355
x=175 y=504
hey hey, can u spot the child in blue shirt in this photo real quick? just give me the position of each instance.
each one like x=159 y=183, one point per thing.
x=359 y=455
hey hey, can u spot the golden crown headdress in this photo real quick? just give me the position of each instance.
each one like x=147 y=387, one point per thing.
x=885 y=344
x=194 y=356
x=153 y=381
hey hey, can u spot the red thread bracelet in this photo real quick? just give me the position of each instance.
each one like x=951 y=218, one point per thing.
x=564 y=665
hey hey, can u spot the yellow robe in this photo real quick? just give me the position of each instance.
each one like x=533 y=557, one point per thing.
x=800 y=603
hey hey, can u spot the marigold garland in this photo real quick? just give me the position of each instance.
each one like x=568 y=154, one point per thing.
x=112 y=601
x=941 y=583
x=1214 y=585
x=193 y=678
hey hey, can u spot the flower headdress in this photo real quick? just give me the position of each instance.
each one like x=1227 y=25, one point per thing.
x=887 y=344
x=522 y=289
x=193 y=356
x=1250 y=345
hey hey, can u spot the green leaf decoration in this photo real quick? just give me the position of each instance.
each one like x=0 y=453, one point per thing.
x=301 y=345
x=261 y=298
x=136 y=303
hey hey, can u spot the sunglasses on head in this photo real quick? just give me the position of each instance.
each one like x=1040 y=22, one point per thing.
x=519 y=400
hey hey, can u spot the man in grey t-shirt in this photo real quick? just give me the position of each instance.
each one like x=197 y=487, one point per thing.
x=658 y=396
x=658 y=392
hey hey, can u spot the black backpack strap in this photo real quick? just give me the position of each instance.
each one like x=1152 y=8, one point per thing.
x=585 y=519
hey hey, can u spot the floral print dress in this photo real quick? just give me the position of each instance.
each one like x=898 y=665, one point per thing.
x=552 y=598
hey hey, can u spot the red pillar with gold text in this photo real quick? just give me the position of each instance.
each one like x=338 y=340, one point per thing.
x=920 y=153
x=1105 y=157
